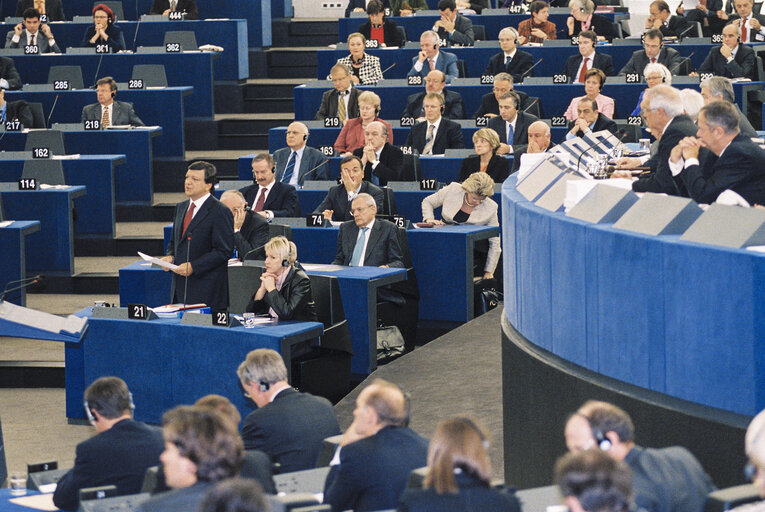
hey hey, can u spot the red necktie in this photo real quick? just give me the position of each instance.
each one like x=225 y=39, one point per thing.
x=653 y=60
x=261 y=200
x=744 y=33
x=432 y=64
x=584 y=69
x=187 y=218
x=33 y=40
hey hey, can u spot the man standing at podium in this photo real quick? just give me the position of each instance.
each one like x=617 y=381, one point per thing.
x=202 y=242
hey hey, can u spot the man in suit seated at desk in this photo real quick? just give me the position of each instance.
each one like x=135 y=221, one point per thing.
x=108 y=111
x=436 y=134
x=731 y=59
x=435 y=81
x=268 y=197
x=589 y=120
x=510 y=60
x=717 y=88
x=750 y=24
x=50 y=8
x=503 y=83
x=336 y=206
x=299 y=162
x=121 y=451
x=577 y=65
x=331 y=106
x=539 y=142
x=382 y=161
x=653 y=51
x=14 y=111
x=452 y=27
x=165 y=7
x=511 y=125
x=661 y=18
x=9 y=77
x=32 y=33
x=431 y=58
x=250 y=230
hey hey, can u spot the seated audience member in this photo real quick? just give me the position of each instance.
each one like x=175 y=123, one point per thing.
x=118 y=454
x=655 y=74
x=235 y=495
x=591 y=481
x=379 y=28
x=365 y=68
x=692 y=103
x=660 y=18
x=435 y=81
x=362 y=6
x=468 y=202
x=299 y=162
x=653 y=52
x=336 y=206
x=165 y=7
x=657 y=474
x=430 y=58
x=452 y=27
x=15 y=111
x=589 y=120
x=578 y=65
x=459 y=473
x=285 y=291
x=377 y=452
x=510 y=60
x=537 y=29
x=9 y=77
x=512 y=124
x=503 y=83
x=50 y=8
x=342 y=101
x=594 y=80
x=31 y=32
x=108 y=111
x=103 y=31
x=485 y=143
x=288 y=425
x=719 y=88
x=583 y=18
x=749 y=23
x=475 y=5
x=755 y=449
x=706 y=13
x=268 y=197
x=739 y=163
x=730 y=59
x=436 y=134
x=352 y=134
x=202 y=447
x=250 y=230
x=539 y=142
x=407 y=7
x=382 y=160
x=366 y=241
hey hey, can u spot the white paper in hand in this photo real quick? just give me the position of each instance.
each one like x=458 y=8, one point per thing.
x=157 y=261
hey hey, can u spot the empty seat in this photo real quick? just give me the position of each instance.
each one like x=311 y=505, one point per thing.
x=153 y=75
x=186 y=38
x=49 y=172
x=51 y=139
x=38 y=116
x=71 y=73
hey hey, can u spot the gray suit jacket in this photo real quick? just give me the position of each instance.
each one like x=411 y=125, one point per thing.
x=40 y=40
x=382 y=249
x=639 y=60
x=122 y=114
x=311 y=158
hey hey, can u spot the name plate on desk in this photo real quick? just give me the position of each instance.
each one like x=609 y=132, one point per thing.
x=728 y=226
x=13 y=126
x=603 y=204
x=658 y=214
x=117 y=313
x=173 y=48
x=28 y=184
x=221 y=318
x=135 y=83
x=31 y=49
x=539 y=179
x=314 y=220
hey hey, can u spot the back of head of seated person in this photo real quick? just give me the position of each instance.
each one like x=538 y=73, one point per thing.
x=591 y=481
x=235 y=495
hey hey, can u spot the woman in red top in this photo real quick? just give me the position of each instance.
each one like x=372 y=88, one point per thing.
x=536 y=29
x=380 y=29
x=352 y=134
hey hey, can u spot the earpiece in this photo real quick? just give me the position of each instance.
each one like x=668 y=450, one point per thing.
x=285 y=263
x=89 y=412
x=435 y=47
x=305 y=137
x=601 y=440
x=472 y=424
x=114 y=93
x=264 y=386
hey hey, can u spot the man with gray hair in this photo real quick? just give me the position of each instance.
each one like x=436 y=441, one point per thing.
x=344 y=91
x=250 y=230
x=382 y=160
x=510 y=60
x=430 y=58
x=299 y=162
x=288 y=425
x=503 y=83
x=719 y=88
x=737 y=163
x=730 y=59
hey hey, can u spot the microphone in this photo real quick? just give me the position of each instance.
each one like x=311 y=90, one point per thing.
x=29 y=281
x=252 y=251
x=681 y=34
x=529 y=70
x=98 y=68
x=579 y=160
x=137 y=25
x=677 y=64
x=536 y=100
x=388 y=68
x=50 y=114
x=312 y=170
x=186 y=277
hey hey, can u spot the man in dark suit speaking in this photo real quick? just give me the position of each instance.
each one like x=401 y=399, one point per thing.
x=202 y=242
x=109 y=111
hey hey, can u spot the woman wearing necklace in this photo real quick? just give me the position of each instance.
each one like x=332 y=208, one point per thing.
x=485 y=142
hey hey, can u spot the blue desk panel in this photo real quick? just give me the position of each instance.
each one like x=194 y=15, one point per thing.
x=52 y=248
x=95 y=210
x=655 y=312
x=13 y=257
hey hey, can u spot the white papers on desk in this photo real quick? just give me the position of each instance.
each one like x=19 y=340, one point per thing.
x=319 y=267
x=756 y=248
x=47 y=488
x=5 y=223
x=731 y=198
x=65 y=157
x=157 y=261
x=45 y=186
x=38 y=501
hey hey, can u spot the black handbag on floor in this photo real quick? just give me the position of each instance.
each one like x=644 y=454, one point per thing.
x=486 y=296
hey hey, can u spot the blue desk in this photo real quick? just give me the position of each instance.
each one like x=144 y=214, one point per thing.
x=7 y=506
x=167 y=364
x=95 y=211
x=182 y=69
x=50 y=250
x=13 y=256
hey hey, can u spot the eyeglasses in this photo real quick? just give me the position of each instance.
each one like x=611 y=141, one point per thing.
x=354 y=211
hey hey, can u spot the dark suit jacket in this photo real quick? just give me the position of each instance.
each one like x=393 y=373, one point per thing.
x=337 y=200
x=187 y=6
x=478 y=495
x=53 y=9
x=518 y=66
x=292 y=302
x=8 y=71
x=389 y=167
x=750 y=35
x=675 y=26
x=328 y=107
x=282 y=200
x=19 y=110
x=390 y=32
x=739 y=169
x=382 y=249
x=742 y=65
x=601 y=61
x=520 y=132
x=639 y=60
x=116 y=40
x=448 y=136
x=118 y=456
x=453 y=106
x=252 y=235
x=122 y=113
x=601 y=25
x=463 y=32
x=257 y=465
x=602 y=123
x=210 y=247
x=373 y=471
x=661 y=180
x=352 y=4
x=446 y=63
x=489 y=104
x=311 y=158
x=291 y=429
x=40 y=41
x=188 y=498
x=498 y=169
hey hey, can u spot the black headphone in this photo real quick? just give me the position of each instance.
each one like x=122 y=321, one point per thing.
x=285 y=263
x=602 y=441
x=471 y=423
x=264 y=386
x=305 y=137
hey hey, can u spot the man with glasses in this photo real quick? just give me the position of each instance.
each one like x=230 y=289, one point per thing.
x=341 y=102
x=299 y=162
x=336 y=206
x=653 y=51
x=435 y=81
x=503 y=83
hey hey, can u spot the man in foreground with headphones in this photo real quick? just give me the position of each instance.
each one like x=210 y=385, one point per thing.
x=109 y=111
x=121 y=451
x=288 y=425
x=663 y=480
